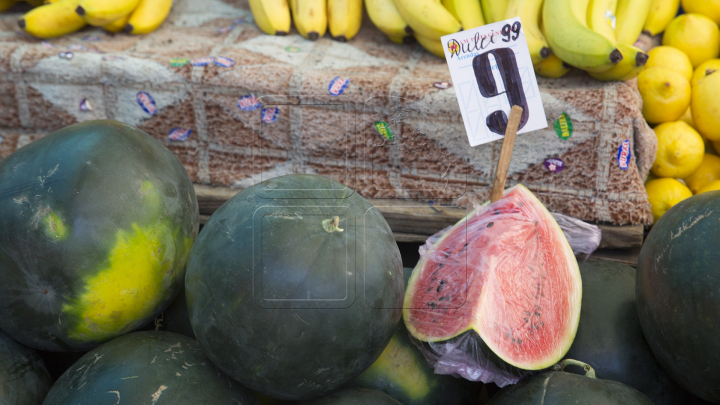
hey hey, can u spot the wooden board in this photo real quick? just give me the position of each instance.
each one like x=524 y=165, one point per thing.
x=415 y=221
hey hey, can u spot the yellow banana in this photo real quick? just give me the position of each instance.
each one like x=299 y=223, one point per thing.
x=633 y=63
x=52 y=20
x=310 y=17
x=572 y=41
x=552 y=67
x=631 y=16
x=428 y=18
x=344 y=18
x=6 y=4
x=117 y=25
x=148 y=16
x=660 y=14
x=468 y=12
x=529 y=12
x=271 y=16
x=601 y=18
x=386 y=17
x=432 y=45
x=102 y=12
x=494 y=10
x=34 y=3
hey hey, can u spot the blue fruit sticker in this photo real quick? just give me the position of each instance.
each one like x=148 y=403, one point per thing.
x=203 y=61
x=269 y=115
x=249 y=103
x=337 y=86
x=179 y=134
x=224 y=62
x=624 y=154
x=146 y=102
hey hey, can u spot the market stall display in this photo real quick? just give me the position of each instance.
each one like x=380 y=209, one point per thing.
x=215 y=211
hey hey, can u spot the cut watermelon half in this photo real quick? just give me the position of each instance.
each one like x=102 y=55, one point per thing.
x=505 y=271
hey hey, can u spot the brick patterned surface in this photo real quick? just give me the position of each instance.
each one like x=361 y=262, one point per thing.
x=315 y=132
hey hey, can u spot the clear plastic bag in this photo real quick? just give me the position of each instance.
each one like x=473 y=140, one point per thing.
x=466 y=355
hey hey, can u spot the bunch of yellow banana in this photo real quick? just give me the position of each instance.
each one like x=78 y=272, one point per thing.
x=312 y=17
x=59 y=17
x=599 y=35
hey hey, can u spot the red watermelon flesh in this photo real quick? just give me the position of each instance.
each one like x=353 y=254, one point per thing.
x=506 y=271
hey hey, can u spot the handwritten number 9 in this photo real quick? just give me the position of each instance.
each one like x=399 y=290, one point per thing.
x=510 y=74
x=508 y=31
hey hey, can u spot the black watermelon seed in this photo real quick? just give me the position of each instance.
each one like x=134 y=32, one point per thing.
x=440 y=265
x=525 y=319
x=439 y=287
x=490 y=224
x=442 y=282
x=447 y=254
x=497 y=212
x=442 y=299
x=429 y=289
x=519 y=341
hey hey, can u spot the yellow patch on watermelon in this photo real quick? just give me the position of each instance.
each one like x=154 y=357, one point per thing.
x=54 y=226
x=399 y=364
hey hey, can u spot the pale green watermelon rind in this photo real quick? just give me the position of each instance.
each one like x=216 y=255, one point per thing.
x=562 y=346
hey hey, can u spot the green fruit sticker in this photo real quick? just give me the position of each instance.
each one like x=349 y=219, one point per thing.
x=178 y=62
x=563 y=126
x=383 y=129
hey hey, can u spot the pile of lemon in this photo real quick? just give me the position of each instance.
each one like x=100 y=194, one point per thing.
x=680 y=88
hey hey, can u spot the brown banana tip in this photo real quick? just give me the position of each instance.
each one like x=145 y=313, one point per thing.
x=21 y=23
x=641 y=59
x=281 y=33
x=545 y=52
x=616 y=56
x=409 y=39
x=566 y=65
x=313 y=36
x=408 y=29
x=341 y=38
x=80 y=11
x=128 y=28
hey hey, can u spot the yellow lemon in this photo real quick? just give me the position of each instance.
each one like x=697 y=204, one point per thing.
x=705 y=106
x=665 y=94
x=663 y=194
x=680 y=150
x=708 y=8
x=709 y=170
x=694 y=34
x=669 y=57
x=712 y=186
x=704 y=69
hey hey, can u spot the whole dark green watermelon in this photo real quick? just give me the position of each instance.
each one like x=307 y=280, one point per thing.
x=355 y=396
x=147 y=368
x=609 y=337
x=564 y=388
x=295 y=286
x=678 y=293
x=24 y=380
x=96 y=224
x=402 y=372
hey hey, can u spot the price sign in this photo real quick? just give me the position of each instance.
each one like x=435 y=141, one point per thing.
x=491 y=70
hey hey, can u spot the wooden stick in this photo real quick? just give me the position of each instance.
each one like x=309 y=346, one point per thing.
x=506 y=152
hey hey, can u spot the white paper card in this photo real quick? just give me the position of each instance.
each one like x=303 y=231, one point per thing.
x=491 y=70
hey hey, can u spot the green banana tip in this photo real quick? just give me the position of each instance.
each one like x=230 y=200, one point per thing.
x=80 y=11
x=21 y=23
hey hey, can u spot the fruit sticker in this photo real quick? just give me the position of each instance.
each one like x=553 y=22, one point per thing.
x=179 y=134
x=203 y=61
x=249 y=103
x=66 y=55
x=563 y=126
x=492 y=71
x=337 y=86
x=85 y=105
x=384 y=130
x=554 y=165
x=178 y=62
x=442 y=85
x=624 y=154
x=225 y=30
x=224 y=62
x=113 y=57
x=47 y=45
x=76 y=47
x=292 y=49
x=91 y=38
x=269 y=115
x=146 y=102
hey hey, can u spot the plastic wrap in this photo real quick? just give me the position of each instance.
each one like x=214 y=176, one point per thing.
x=582 y=237
x=516 y=243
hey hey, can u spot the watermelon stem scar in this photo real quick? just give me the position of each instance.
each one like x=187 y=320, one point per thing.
x=330 y=225
x=589 y=371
